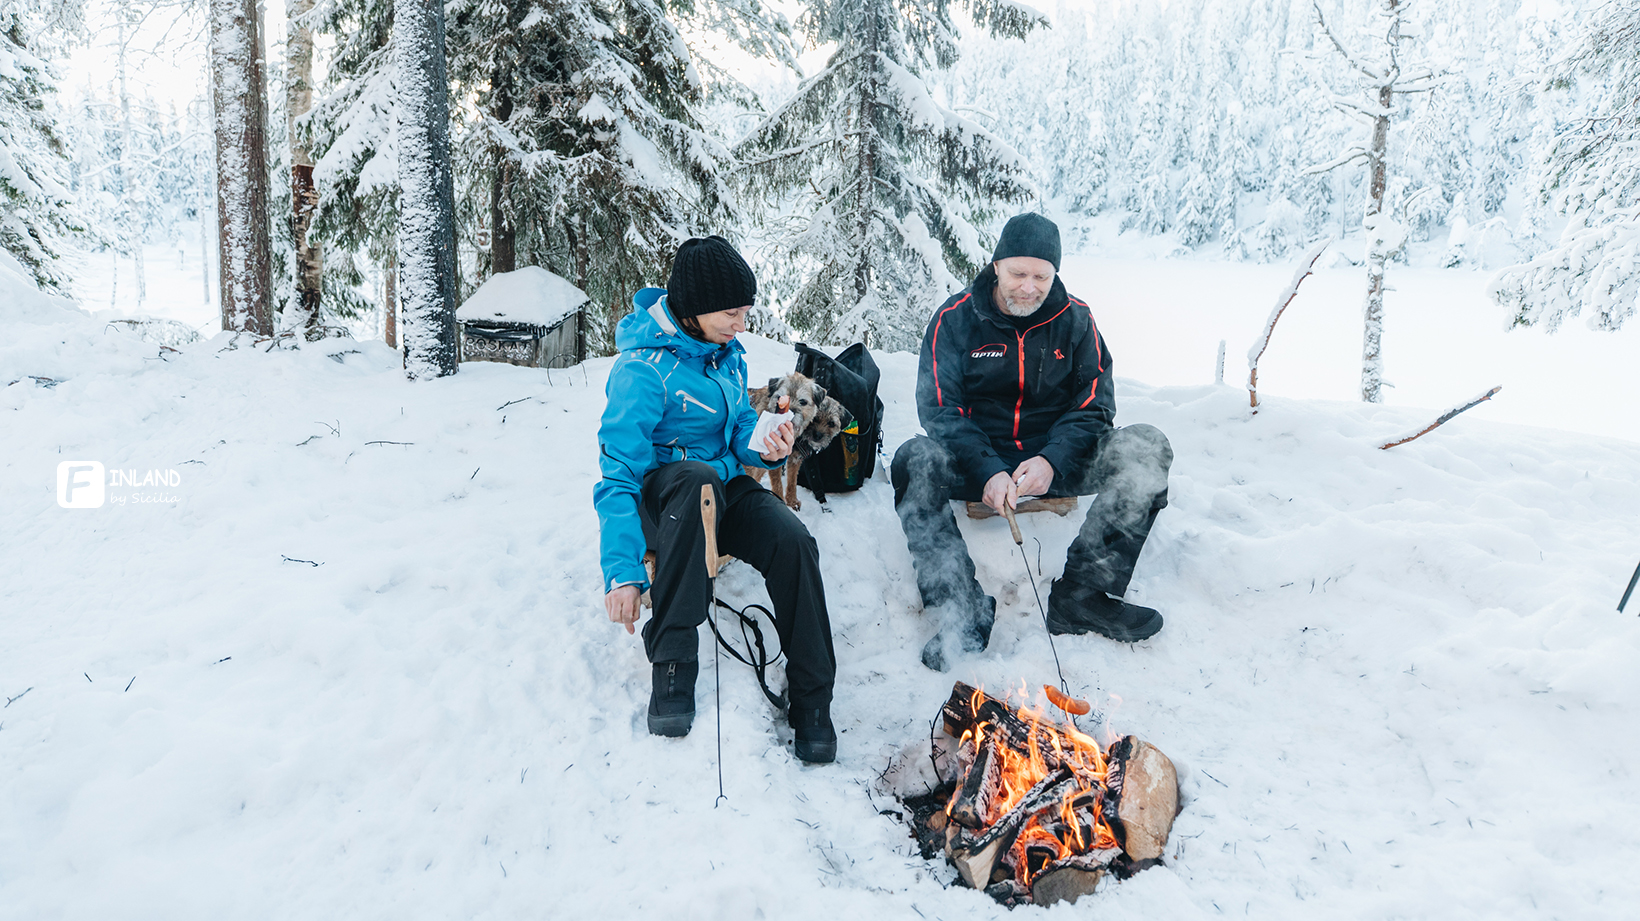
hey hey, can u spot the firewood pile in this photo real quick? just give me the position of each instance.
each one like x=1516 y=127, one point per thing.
x=1038 y=812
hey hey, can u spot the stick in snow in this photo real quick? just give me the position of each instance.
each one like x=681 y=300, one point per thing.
x=1444 y=419
x=1630 y=590
x=1257 y=351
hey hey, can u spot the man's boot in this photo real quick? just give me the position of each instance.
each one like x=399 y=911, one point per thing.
x=965 y=632
x=672 y=698
x=1076 y=608
x=816 y=737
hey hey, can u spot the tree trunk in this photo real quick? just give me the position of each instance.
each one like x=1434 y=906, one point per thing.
x=1372 y=353
x=304 y=196
x=427 y=252
x=503 y=238
x=866 y=166
x=390 y=302
x=133 y=230
x=240 y=107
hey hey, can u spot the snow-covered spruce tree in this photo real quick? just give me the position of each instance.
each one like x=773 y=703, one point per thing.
x=1593 y=177
x=38 y=217
x=239 y=101
x=427 y=234
x=1382 y=73
x=349 y=133
x=882 y=184
x=585 y=153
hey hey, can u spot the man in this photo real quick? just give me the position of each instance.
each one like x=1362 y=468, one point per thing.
x=1014 y=390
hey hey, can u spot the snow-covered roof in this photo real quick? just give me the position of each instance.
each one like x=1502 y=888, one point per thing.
x=530 y=295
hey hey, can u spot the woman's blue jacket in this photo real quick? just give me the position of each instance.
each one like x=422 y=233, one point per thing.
x=671 y=397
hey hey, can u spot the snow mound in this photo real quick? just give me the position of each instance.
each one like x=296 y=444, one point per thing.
x=530 y=295
x=352 y=661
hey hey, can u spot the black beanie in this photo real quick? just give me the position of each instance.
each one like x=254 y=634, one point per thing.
x=708 y=275
x=1029 y=234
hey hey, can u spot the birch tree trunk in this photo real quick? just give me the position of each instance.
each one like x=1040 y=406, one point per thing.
x=427 y=263
x=1372 y=354
x=128 y=182
x=240 y=109
x=304 y=195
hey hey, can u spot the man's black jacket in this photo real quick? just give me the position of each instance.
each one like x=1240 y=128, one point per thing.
x=994 y=393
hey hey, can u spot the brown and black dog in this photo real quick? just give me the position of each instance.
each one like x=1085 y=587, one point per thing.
x=816 y=420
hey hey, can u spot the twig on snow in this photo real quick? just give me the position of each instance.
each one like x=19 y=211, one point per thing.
x=1444 y=418
x=1287 y=295
x=1630 y=590
x=294 y=560
x=18 y=697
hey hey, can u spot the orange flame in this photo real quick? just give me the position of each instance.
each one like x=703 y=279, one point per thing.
x=1073 y=830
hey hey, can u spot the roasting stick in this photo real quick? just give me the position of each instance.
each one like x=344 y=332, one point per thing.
x=1019 y=541
x=714 y=563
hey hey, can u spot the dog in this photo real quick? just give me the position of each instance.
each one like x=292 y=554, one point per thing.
x=816 y=420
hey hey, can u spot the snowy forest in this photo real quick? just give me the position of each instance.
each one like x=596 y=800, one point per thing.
x=590 y=137
x=305 y=606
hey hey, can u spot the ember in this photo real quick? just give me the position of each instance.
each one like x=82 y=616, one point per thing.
x=1037 y=812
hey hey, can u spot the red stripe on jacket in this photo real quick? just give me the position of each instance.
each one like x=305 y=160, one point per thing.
x=934 y=350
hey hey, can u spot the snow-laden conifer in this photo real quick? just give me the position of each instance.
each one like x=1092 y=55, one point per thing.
x=39 y=218
x=876 y=189
x=1593 y=177
x=583 y=150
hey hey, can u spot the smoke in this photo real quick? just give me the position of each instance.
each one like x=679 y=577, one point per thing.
x=1129 y=474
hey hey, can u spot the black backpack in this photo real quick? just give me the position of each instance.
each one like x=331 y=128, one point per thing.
x=850 y=379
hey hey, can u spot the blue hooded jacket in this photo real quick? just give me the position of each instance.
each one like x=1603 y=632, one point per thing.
x=671 y=397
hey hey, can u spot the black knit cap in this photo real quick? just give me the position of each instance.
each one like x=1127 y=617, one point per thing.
x=708 y=275
x=1029 y=234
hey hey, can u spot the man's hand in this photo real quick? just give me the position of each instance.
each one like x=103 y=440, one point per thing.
x=780 y=443
x=1033 y=477
x=1000 y=492
x=622 y=605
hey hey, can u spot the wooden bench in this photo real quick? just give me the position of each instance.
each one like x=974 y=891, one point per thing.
x=1061 y=507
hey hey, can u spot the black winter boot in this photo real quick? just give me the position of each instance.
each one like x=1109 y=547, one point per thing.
x=1075 y=608
x=816 y=738
x=972 y=634
x=672 y=700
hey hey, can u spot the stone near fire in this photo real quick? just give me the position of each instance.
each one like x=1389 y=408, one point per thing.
x=1149 y=797
x=1064 y=885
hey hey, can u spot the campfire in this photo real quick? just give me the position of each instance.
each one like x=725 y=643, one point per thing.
x=1037 y=811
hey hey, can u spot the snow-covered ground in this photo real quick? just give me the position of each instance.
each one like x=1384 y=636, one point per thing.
x=350 y=660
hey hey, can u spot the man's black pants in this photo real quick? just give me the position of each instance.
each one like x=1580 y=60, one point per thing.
x=752 y=525
x=1127 y=469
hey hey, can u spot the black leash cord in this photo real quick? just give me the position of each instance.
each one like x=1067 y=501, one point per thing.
x=751 y=633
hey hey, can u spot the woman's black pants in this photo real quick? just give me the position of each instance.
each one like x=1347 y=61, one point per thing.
x=752 y=525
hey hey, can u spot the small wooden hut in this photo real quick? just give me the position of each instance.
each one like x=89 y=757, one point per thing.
x=530 y=317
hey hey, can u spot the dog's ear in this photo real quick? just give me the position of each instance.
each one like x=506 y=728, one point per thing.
x=819 y=395
x=774 y=382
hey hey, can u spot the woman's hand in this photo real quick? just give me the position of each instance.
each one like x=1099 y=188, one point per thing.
x=780 y=443
x=622 y=605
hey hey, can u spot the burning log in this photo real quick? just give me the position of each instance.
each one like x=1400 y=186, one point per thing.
x=968 y=707
x=1037 y=812
x=1065 y=885
x=976 y=855
x=1144 y=797
x=978 y=789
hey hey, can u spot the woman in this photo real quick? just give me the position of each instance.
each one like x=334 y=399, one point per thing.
x=677 y=418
